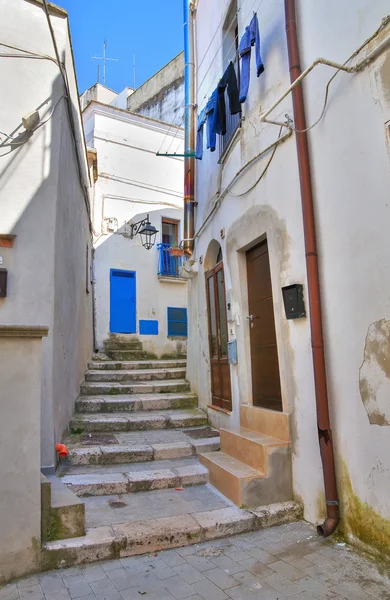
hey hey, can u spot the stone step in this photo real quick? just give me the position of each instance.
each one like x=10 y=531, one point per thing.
x=140 y=537
x=250 y=447
x=236 y=480
x=63 y=513
x=122 y=342
x=132 y=480
x=122 y=375
x=140 y=387
x=129 y=448
x=167 y=419
x=128 y=355
x=132 y=403
x=136 y=364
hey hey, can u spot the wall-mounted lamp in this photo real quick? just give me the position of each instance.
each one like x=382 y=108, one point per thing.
x=147 y=232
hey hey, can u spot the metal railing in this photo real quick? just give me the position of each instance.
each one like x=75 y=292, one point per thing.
x=168 y=265
x=233 y=122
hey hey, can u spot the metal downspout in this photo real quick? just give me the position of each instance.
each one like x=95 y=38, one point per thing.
x=189 y=128
x=313 y=280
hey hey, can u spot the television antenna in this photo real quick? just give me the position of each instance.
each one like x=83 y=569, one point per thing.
x=104 y=58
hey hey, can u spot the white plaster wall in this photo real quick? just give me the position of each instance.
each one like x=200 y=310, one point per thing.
x=350 y=170
x=41 y=201
x=99 y=93
x=120 y=101
x=133 y=181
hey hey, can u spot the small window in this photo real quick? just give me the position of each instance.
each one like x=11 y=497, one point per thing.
x=177 y=322
x=170 y=232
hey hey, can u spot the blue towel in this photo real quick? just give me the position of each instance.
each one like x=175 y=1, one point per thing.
x=212 y=118
x=199 y=135
x=250 y=38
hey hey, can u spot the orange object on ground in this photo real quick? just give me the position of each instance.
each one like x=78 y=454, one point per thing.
x=62 y=450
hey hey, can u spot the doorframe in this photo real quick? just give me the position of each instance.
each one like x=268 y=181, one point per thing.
x=215 y=269
x=109 y=295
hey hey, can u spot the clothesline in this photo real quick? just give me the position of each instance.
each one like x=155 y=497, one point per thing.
x=214 y=113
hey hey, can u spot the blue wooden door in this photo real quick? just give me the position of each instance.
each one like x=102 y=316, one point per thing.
x=123 y=317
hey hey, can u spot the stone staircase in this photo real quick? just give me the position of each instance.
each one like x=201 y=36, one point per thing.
x=136 y=437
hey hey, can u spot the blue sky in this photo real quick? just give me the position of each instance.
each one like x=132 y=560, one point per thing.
x=150 y=29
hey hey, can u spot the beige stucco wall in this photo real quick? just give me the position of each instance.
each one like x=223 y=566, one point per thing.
x=42 y=203
x=20 y=428
x=350 y=160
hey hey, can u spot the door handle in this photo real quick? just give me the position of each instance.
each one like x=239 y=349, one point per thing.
x=251 y=317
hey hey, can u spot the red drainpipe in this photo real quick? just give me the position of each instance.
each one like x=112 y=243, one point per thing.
x=313 y=281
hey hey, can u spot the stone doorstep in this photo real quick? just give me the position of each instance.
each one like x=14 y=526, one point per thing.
x=105 y=484
x=140 y=387
x=139 y=421
x=144 y=537
x=110 y=365
x=122 y=375
x=104 y=455
x=64 y=515
x=144 y=402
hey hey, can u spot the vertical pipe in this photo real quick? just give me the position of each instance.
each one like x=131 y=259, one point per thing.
x=189 y=127
x=313 y=280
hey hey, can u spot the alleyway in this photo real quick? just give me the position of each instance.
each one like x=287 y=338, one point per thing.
x=288 y=562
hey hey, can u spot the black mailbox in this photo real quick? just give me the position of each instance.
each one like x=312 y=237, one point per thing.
x=3 y=283
x=294 y=304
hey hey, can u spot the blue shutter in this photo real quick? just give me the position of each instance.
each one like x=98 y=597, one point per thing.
x=177 y=322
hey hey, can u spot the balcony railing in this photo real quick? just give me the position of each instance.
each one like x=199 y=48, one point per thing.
x=168 y=266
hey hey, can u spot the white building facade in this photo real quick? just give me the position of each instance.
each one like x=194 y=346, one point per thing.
x=45 y=231
x=132 y=183
x=258 y=217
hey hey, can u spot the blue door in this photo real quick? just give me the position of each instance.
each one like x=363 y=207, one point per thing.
x=122 y=302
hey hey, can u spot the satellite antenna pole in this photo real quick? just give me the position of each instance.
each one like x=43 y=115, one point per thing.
x=134 y=70
x=98 y=77
x=104 y=59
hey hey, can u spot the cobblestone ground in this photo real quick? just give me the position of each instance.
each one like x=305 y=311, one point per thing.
x=283 y=563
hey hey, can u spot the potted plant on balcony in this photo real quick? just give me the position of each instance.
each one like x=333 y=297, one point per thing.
x=175 y=250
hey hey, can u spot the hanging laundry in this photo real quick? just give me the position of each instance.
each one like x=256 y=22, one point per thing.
x=199 y=136
x=229 y=81
x=212 y=115
x=250 y=38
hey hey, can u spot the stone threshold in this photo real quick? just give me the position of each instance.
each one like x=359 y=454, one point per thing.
x=142 y=537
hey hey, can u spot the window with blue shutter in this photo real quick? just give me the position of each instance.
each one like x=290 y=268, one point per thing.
x=177 y=322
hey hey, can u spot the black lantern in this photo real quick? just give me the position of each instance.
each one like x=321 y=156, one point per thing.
x=147 y=232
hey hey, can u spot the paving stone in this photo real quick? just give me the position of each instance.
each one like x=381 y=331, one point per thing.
x=261 y=555
x=228 y=565
x=60 y=595
x=105 y=590
x=271 y=594
x=51 y=583
x=293 y=560
x=27 y=582
x=240 y=593
x=350 y=592
x=33 y=593
x=209 y=591
x=221 y=578
x=93 y=573
x=283 y=585
x=320 y=559
x=236 y=554
x=286 y=570
x=319 y=590
x=172 y=558
x=9 y=592
x=189 y=573
x=179 y=588
x=77 y=586
x=200 y=563
x=110 y=565
x=258 y=568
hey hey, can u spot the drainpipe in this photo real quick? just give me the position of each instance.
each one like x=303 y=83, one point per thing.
x=313 y=280
x=189 y=128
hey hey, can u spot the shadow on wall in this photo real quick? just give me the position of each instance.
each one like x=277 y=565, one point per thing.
x=40 y=189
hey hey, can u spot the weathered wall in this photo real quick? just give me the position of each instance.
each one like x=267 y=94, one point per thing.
x=99 y=93
x=350 y=172
x=162 y=96
x=20 y=428
x=42 y=203
x=133 y=181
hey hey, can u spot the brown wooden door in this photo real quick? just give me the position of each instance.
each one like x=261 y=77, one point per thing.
x=218 y=338
x=264 y=352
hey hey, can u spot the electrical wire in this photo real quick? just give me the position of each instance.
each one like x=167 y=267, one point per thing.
x=28 y=52
x=70 y=116
x=173 y=124
x=261 y=176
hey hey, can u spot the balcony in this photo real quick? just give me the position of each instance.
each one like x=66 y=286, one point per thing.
x=168 y=266
x=233 y=123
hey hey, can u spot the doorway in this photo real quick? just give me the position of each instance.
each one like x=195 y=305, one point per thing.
x=218 y=336
x=123 y=318
x=264 y=351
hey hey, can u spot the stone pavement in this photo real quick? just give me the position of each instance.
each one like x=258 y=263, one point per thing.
x=288 y=562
